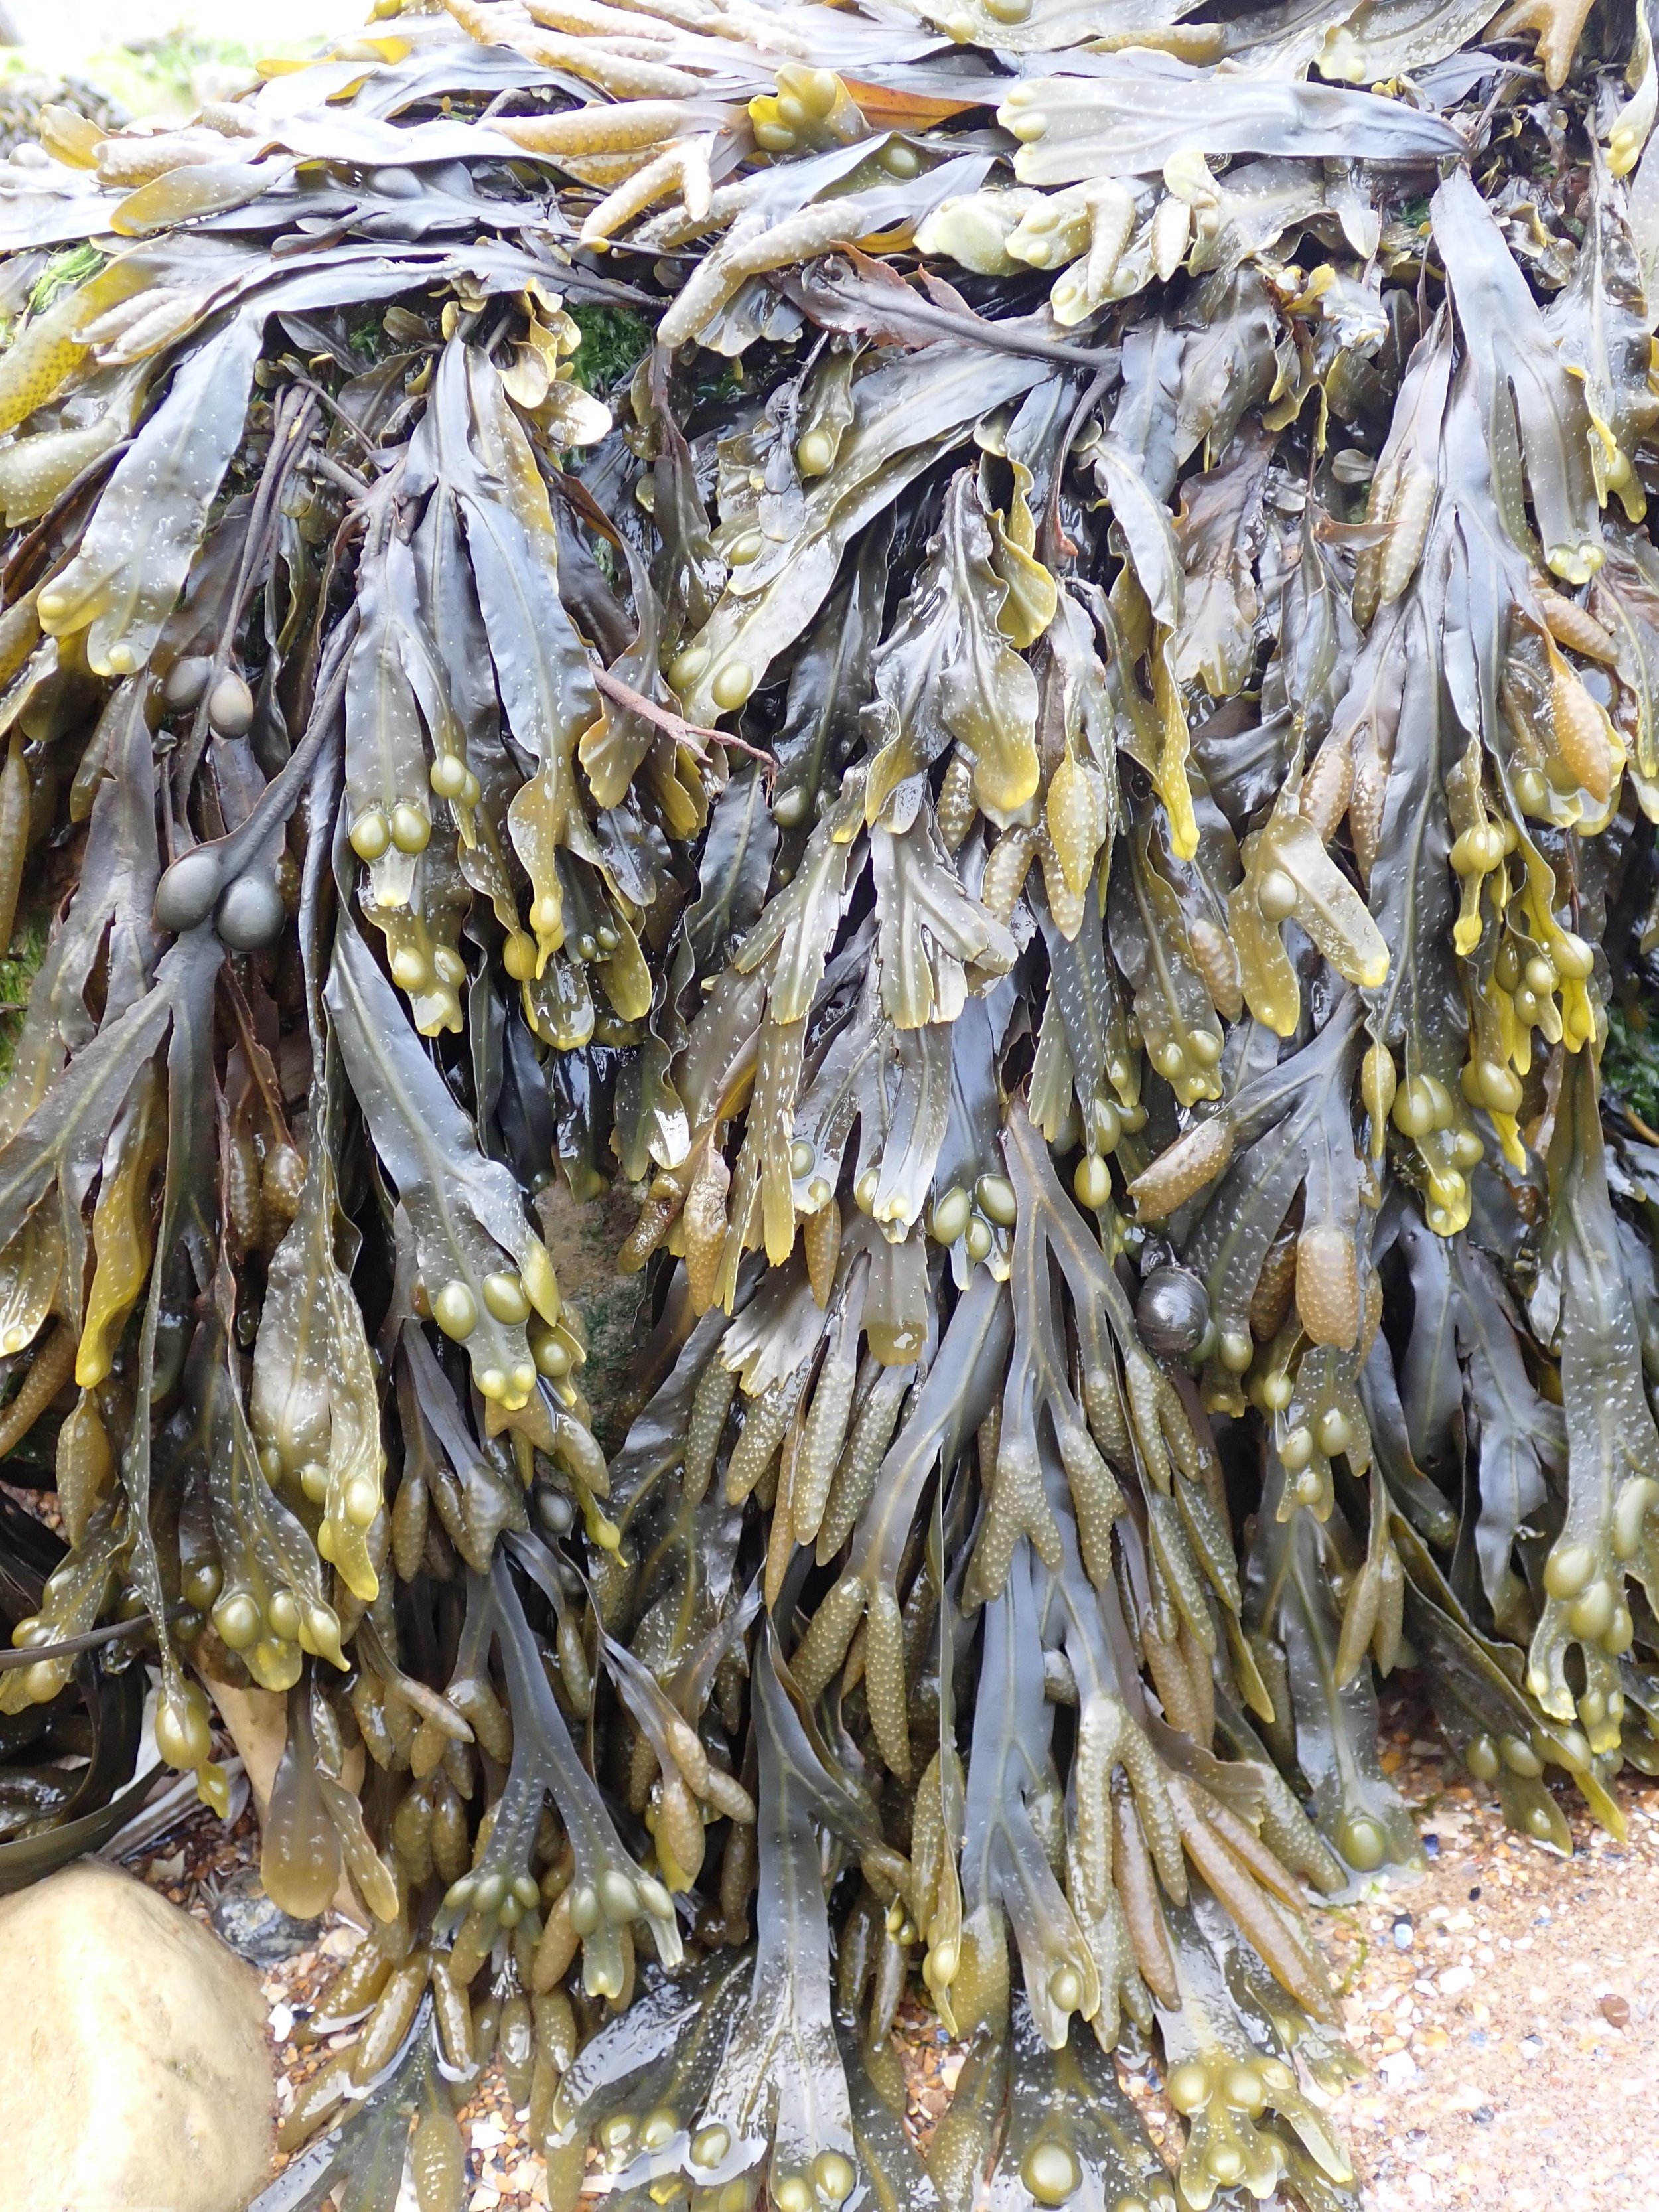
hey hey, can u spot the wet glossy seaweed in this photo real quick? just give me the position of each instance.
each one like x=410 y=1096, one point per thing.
x=1004 y=657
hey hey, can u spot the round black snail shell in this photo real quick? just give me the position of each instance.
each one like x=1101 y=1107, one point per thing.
x=1173 y=1312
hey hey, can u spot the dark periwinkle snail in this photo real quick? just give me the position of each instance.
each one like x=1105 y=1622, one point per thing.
x=186 y=680
x=186 y=893
x=556 y=1512
x=1173 y=1312
x=250 y=912
x=230 y=709
x=394 y=184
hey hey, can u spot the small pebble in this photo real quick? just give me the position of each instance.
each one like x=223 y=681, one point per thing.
x=1615 y=2010
x=1404 y=1933
x=1432 y=1846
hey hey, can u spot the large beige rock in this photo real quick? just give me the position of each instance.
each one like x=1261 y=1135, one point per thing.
x=134 y=2071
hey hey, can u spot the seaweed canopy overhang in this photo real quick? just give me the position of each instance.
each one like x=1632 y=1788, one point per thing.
x=1001 y=665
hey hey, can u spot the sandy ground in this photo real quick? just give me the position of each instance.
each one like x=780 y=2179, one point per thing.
x=1509 y=2005
x=1506 y=2006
